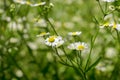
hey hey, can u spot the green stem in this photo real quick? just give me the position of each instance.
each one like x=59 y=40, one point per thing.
x=58 y=54
x=67 y=56
x=101 y=7
x=80 y=56
x=88 y=57
x=92 y=44
x=55 y=65
x=110 y=33
x=106 y=4
x=51 y=26
x=118 y=37
x=81 y=72
x=115 y=72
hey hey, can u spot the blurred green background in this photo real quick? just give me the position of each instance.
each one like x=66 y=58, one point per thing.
x=23 y=56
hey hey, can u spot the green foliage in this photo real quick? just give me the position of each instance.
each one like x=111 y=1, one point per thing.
x=42 y=40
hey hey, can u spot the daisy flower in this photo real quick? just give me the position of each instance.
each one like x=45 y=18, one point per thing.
x=20 y=1
x=54 y=41
x=74 y=33
x=106 y=24
x=116 y=26
x=78 y=46
x=38 y=4
x=108 y=0
x=29 y=3
x=43 y=34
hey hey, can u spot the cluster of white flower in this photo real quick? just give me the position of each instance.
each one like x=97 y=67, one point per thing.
x=56 y=41
x=112 y=25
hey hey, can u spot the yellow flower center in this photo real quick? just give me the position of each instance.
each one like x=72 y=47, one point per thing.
x=43 y=33
x=80 y=47
x=106 y=24
x=114 y=26
x=73 y=33
x=52 y=38
x=28 y=2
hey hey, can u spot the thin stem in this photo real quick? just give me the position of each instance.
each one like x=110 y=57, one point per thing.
x=96 y=21
x=92 y=44
x=118 y=37
x=58 y=54
x=101 y=8
x=83 y=73
x=77 y=59
x=106 y=4
x=89 y=57
x=116 y=69
x=73 y=66
x=80 y=56
x=55 y=65
x=110 y=33
x=67 y=56
x=51 y=26
x=80 y=68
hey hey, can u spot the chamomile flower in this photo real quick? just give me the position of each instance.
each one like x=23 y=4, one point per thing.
x=74 y=33
x=116 y=26
x=106 y=24
x=108 y=0
x=20 y=1
x=43 y=34
x=54 y=41
x=51 y=4
x=38 y=4
x=29 y=3
x=78 y=46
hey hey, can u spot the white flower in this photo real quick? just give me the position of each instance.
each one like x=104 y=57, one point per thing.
x=51 y=4
x=54 y=41
x=72 y=46
x=106 y=24
x=78 y=46
x=40 y=22
x=101 y=66
x=116 y=26
x=43 y=34
x=19 y=73
x=29 y=3
x=108 y=0
x=74 y=33
x=15 y=26
x=38 y=4
x=20 y=1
